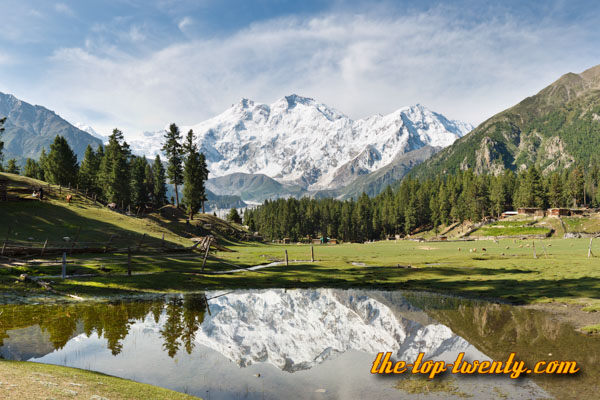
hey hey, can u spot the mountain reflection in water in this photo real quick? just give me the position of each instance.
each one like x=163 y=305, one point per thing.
x=293 y=339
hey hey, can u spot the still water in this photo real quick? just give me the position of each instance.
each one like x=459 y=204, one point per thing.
x=309 y=344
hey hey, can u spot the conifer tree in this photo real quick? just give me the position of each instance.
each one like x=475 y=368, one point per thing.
x=575 y=186
x=2 y=121
x=173 y=150
x=234 y=216
x=139 y=187
x=555 y=190
x=31 y=169
x=159 y=183
x=61 y=164
x=193 y=176
x=88 y=171
x=42 y=163
x=114 y=176
x=12 y=167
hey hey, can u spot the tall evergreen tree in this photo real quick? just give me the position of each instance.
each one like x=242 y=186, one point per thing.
x=173 y=150
x=114 y=176
x=2 y=121
x=31 y=169
x=159 y=183
x=555 y=190
x=575 y=186
x=89 y=169
x=12 y=167
x=43 y=160
x=61 y=167
x=139 y=187
x=194 y=175
x=234 y=216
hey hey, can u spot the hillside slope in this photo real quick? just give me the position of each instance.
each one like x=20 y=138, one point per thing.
x=555 y=128
x=30 y=221
x=30 y=128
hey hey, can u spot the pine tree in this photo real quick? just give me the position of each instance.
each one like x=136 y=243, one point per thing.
x=2 y=121
x=498 y=195
x=575 y=186
x=12 y=167
x=159 y=183
x=31 y=168
x=139 y=188
x=234 y=216
x=364 y=218
x=42 y=163
x=61 y=165
x=194 y=176
x=88 y=171
x=114 y=175
x=555 y=191
x=173 y=151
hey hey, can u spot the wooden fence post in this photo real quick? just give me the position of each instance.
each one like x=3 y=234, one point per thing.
x=590 y=247
x=312 y=253
x=286 y=258
x=129 y=261
x=64 y=265
x=140 y=242
x=534 y=255
x=44 y=248
x=208 y=242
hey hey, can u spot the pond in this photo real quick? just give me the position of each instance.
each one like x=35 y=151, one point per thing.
x=301 y=343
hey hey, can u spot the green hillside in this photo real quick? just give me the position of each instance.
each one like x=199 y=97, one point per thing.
x=556 y=128
x=30 y=128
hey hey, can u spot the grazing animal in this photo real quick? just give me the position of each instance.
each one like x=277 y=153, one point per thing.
x=69 y=198
x=483 y=249
x=112 y=206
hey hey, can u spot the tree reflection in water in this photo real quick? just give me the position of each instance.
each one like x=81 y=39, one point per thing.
x=184 y=315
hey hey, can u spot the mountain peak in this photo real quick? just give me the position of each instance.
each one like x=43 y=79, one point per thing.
x=293 y=99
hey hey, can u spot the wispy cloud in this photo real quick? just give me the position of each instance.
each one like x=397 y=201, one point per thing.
x=185 y=23
x=62 y=8
x=360 y=64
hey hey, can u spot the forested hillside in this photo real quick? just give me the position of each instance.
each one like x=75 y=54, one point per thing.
x=557 y=128
x=424 y=204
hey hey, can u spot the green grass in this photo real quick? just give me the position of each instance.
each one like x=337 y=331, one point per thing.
x=505 y=270
x=592 y=329
x=415 y=385
x=28 y=380
x=510 y=231
x=580 y=224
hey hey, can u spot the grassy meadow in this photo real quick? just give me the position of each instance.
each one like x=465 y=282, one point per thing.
x=513 y=270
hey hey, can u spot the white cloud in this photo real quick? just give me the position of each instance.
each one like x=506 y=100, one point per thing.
x=185 y=23
x=359 y=64
x=64 y=9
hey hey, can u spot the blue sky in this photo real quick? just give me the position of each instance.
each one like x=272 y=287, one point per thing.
x=140 y=65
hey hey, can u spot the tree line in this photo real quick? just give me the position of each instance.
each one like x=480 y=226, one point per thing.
x=424 y=204
x=112 y=174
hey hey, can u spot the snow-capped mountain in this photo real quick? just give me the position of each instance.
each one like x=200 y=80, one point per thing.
x=91 y=131
x=301 y=141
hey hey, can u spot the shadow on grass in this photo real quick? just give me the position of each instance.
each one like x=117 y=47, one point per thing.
x=507 y=284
